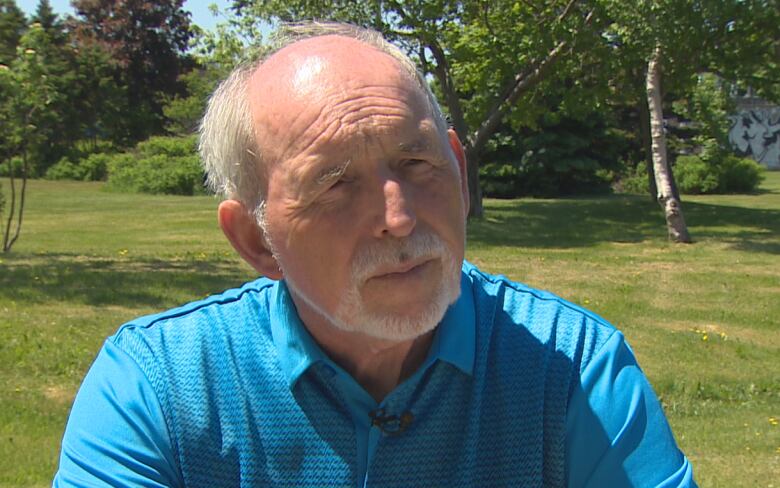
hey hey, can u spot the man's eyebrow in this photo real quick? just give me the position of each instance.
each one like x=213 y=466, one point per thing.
x=418 y=145
x=331 y=173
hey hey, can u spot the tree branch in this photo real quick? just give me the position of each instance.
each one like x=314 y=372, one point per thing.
x=442 y=73
x=566 y=11
x=517 y=86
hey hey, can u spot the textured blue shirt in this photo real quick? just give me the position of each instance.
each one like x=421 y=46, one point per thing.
x=519 y=388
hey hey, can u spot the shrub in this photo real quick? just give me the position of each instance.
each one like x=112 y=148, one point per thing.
x=63 y=169
x=695 y=176
x=564 y=155
x=92 y=168
x=168 y=146
x=635 y=181
x=158 y=165
x=156 y=174
x=717 y=172
x=499 y=180
x=16 y=163
x=740 y=175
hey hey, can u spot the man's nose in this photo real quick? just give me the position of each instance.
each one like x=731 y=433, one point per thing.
x=397 y=217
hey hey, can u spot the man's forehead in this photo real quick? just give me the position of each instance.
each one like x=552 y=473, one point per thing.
x=308 y=64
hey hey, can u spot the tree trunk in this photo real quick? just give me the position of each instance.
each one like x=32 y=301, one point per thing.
x=644 y=131
x=672 y=208
x=475 y=190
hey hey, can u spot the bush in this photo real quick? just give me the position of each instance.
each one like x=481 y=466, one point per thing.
x=168 y=146
x=717 y=172
x=156 y=174
x=92 y=168
x=499 y=180
x=158 y=165
x=16 y=163
x=741 y=175
x=64 y=169
x=695 y=176
x=562 y=156
x=635 y=181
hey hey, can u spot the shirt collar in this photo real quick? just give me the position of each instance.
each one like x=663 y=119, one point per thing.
x=453 y=341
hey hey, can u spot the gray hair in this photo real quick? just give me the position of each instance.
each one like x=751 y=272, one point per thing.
x=228 y=148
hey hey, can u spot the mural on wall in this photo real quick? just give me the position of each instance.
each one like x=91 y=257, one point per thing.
x=756 y=133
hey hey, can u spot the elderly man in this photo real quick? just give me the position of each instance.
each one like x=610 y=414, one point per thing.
x=370 y=354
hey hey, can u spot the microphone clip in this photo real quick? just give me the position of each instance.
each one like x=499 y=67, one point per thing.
x=390 y=424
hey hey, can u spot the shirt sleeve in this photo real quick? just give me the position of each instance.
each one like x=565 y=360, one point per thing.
x=617 y=433
x=116 y=434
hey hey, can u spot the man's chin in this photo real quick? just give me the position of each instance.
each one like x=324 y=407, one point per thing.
x=400 y=323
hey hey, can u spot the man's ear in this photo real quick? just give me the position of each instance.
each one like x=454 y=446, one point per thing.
x=460 y=155
x=243 y=232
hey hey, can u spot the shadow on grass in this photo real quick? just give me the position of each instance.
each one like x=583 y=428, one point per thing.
x=99 y=281
x=582 y=222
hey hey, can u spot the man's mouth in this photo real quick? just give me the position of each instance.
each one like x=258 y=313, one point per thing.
x=403 y=269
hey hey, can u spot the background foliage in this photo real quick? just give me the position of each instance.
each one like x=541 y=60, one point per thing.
x=121 y=71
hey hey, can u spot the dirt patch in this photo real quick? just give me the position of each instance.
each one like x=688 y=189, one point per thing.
x=59 y=394
x=724 y=332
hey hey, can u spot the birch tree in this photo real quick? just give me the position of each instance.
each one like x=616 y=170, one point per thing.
x=676 y=40
x=669 y=201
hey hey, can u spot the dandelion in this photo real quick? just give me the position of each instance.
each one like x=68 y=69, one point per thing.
x=704 y=337
x=587 y=301
x=123 y=252
x=773 y=421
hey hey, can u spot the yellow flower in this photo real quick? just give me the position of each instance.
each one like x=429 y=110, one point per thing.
x=773 y=421
x=704 y=337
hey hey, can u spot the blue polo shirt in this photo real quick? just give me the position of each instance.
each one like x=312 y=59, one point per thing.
x=519 y=388
x=453 y=342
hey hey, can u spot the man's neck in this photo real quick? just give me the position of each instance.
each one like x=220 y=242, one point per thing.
x=377 y=365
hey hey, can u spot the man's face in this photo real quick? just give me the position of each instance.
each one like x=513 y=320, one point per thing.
x=365 y=207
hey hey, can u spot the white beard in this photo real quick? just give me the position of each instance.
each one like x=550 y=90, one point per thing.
x=351 y=313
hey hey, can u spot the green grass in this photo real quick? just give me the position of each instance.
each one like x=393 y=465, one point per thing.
x=87 y=260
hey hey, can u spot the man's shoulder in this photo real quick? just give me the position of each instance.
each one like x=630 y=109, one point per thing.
x=522 y=314
x=197 y=323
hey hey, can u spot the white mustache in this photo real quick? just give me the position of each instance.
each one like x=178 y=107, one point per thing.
x=393 y=252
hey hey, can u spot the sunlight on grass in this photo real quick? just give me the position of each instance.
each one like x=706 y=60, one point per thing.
x=702 y=318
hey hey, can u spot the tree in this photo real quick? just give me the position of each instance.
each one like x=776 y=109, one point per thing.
x=27 y=95
x=669 y=201
x=733 y=38
x=486 y=57
x=12 y=25
x=50 y=22
x=146 y=41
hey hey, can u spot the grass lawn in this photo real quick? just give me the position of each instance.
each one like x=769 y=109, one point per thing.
x=703 y=319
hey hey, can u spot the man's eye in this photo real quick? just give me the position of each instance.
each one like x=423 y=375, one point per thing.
x=339 y=182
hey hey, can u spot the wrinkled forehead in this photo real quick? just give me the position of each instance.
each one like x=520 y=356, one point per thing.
x=313 y=77
x=307 y=71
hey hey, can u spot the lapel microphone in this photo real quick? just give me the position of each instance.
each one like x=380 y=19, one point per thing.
x=390 y=424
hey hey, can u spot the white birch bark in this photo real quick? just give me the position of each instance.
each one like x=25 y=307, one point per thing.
x=672 y=208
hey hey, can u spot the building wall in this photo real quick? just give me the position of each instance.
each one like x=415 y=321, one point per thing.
x=755 y=132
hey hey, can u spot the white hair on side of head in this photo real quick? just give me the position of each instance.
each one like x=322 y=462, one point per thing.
x=228 y=144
